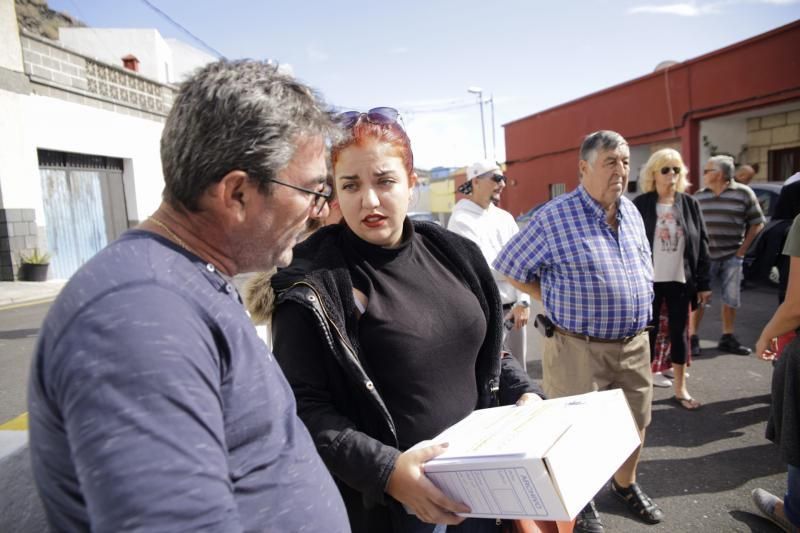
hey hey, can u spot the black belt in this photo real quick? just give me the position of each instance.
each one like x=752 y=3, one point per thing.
x=589 y=338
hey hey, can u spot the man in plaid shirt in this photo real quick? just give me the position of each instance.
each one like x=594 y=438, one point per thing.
x=586 y=256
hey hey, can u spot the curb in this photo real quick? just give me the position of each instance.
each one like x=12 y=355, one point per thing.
x=23 y=302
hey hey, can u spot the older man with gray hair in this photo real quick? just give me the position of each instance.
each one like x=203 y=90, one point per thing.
x=154 y=406
x=733 y=218
x=586 y=256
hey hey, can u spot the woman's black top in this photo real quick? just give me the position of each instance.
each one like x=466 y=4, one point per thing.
x=419 y=335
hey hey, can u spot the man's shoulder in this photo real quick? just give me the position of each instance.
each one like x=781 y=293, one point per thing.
x=559 y=204
x=466 y=209
x=741 y=190
x=501 y=215
x=134 y=262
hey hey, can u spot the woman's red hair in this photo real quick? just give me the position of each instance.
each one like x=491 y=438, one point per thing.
x=364 y=131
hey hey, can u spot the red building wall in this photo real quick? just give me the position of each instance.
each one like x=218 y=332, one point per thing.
x=542 y=149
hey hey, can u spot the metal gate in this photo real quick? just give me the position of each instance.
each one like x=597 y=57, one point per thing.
x=84 y=206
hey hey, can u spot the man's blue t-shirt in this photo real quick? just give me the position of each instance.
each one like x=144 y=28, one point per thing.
x=154 y=406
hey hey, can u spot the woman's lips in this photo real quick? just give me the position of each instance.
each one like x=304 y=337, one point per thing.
x=373 y=221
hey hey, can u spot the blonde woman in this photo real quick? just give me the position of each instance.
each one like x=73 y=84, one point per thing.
x=679 y=245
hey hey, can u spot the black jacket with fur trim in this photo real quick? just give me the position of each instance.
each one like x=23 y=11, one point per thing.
x=336 y=398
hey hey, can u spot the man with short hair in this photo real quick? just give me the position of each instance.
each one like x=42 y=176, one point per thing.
x=733 y=218
x=585 y=254
x=154 y=406
x=745 y=174
x=479 y=219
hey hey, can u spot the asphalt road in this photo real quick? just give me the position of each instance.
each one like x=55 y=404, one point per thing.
x=19 y=327
x=699 y=466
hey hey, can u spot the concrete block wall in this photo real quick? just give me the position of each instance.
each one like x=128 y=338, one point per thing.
x=771 y=132
x=18 y=235
x=58 y=72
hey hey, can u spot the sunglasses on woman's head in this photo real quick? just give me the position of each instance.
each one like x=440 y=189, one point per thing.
x=376 y=115
x=676 y=170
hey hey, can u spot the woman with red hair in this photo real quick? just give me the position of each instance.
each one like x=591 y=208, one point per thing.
x=389 y=331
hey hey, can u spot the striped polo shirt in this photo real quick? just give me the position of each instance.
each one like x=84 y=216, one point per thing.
x=727 y=217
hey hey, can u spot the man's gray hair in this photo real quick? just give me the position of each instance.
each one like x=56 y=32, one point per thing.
x=598 y=141
x=236 y=115
x=725 y=165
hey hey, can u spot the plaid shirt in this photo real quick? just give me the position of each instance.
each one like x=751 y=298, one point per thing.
x=594 y=281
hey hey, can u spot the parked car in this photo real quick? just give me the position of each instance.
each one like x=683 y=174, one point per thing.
x=767 y=194
x=525 y=217
x=427 y=216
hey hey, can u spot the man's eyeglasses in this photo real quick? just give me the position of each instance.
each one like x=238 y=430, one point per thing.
x=497 y=178
x=376 y=115
x=707 y=170
x=320 y=197
x=676 y=170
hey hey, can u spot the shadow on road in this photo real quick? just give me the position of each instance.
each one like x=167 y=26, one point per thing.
x=714 y=421
x=19 y=334
x=710 y=473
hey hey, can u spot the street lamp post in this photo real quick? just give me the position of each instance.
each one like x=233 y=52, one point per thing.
x=494 y=143
x=479 y=92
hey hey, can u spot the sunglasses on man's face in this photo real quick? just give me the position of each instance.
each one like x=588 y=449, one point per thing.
x=497 y=178
x=665 y=170
x=376 y=115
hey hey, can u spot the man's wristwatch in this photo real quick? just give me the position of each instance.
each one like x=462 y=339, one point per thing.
x=523 y=304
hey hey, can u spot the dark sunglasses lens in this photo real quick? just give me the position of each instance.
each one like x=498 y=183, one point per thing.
x=383 y=115
x=666 y=170
x=348 y=118
x=497 y=178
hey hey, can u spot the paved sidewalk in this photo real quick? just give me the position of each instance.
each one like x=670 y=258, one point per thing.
x=23 y=292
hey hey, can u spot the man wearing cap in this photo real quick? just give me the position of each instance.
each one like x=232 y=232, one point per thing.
x=479 y=219
x=587 y=256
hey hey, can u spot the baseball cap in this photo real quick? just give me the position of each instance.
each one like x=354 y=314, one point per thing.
x=482 y=167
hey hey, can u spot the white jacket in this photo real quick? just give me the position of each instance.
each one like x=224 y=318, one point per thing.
x=490 y=229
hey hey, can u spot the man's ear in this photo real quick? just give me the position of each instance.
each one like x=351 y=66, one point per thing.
x=583 y=166
x=231 y=194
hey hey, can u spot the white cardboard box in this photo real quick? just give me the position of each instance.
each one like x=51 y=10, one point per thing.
x=544 y=461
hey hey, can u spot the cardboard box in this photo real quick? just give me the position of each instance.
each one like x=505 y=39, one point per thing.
x=544 y=461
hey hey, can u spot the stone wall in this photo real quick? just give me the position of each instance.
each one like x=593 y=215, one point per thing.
x=18 y=235
x=771 y=132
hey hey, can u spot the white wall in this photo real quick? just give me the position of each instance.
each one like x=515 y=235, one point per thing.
x=185 y=59
x=728 y=134
x=19 y=166
x=58 y=125
x=10 y=49
x=639 y=156
x=110 y=45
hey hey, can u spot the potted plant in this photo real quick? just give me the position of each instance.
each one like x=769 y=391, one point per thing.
x=34 y=266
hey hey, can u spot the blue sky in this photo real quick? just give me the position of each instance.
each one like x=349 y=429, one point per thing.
x=421 y=56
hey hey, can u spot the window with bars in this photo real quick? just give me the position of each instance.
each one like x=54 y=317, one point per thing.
x=556 y=189
x=51 y=158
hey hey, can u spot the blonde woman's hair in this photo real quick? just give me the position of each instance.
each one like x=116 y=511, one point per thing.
x=657 y=161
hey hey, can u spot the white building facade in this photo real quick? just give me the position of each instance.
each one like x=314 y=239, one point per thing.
x=79 y=139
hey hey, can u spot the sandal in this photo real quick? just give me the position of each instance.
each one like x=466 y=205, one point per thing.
x=638 y=502
x=690 y=404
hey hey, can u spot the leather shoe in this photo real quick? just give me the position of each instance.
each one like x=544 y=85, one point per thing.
x=588 y=520
x=638 y=502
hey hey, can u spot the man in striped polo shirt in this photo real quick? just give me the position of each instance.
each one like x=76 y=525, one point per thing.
x=733 y=218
